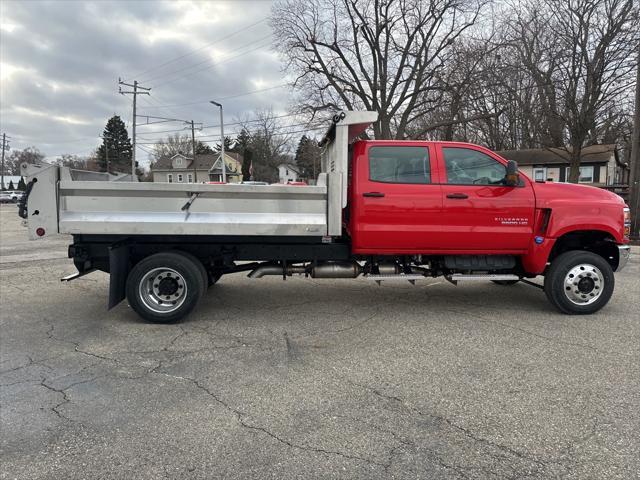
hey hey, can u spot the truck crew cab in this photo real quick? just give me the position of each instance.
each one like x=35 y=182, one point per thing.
x=388 y=210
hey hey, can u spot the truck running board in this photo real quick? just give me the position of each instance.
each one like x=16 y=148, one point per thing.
x=411 y=278
x=456 y=277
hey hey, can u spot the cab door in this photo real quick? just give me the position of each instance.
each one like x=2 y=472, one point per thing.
x=480 y=212
x=395 y=205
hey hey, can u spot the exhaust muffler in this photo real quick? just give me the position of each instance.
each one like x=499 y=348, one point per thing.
x=322 y=270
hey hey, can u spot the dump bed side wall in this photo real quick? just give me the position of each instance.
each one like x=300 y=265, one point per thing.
x=59 y=204
x=156 y=208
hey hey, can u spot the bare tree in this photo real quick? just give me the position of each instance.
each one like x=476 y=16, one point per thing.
x=268 y=143
x=177 y=143
x=17 y=157
x=600 y=37
x=578 y=54
x=374 y=55
x=72 y=161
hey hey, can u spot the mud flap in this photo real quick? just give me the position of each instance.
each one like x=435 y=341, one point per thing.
x=119 y=267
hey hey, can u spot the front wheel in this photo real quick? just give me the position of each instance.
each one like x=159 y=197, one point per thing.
x=165 y=287
x=579 y=282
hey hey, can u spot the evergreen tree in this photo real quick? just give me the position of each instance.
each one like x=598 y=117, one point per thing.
x=242 y=146
x=203 y=149
x=11 y=187
x=21 y=185
x=247 y=158
x=300 y=150
x=308 y=157
x=228 y=145
x=117 y=145
x=243 y=140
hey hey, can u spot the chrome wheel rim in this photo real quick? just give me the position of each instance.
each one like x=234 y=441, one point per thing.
x=163 y=290
x=584 y=284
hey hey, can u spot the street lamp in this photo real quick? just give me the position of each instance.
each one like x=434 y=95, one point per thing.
x=224 y=166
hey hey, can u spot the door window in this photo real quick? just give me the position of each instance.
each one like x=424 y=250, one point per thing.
x=392 y=164
x=470 y=167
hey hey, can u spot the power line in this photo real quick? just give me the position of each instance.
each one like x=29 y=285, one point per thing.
x=192 y=52
x=178 y=77
x=202 y=62
x=198 y=102
x=277 y=131
x=207 y=127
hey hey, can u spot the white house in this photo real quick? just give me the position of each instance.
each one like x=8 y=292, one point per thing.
x=288 y=173
x=179 y=168
x=600 y=165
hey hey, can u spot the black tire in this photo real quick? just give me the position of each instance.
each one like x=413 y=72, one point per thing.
x=505 y=282
x=175 y=267
x=558 y=291
x=197 y=263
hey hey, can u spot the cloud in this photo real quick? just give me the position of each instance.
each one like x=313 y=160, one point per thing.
x=60 y=63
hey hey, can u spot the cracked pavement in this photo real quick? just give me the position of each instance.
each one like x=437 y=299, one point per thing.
x=311 y=379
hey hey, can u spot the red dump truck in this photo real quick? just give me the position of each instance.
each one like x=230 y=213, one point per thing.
x=387 y=210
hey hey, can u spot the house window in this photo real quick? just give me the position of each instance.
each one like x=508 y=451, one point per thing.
x=178 y=162
x=586 y=174
x=169 y=178
x=180 y=177
x=190 y=177
x=540 y=174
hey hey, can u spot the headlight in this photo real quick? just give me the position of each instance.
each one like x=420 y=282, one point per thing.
x=627 y=221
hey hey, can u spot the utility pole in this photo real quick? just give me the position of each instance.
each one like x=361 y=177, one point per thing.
x=224 y=165
x=5 y=146
x=193 y=149
x=135 y=93
x=634 y=163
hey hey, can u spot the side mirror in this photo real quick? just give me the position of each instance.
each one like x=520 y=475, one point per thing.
x=512 y=179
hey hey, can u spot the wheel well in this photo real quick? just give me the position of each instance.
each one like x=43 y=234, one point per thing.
x=596 y=241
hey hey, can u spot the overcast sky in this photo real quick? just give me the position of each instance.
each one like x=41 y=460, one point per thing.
x=60 y=63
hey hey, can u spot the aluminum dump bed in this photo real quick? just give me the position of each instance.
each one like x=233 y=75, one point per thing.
x=59 y=201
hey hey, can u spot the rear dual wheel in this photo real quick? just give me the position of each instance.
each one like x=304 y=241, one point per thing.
x=166 y=287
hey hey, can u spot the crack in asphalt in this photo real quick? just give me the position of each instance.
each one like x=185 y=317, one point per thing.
x=65 y=397
x=464 y=431
x=537 y=335
x=76 y=346
x=30 y=362
x=240 y=417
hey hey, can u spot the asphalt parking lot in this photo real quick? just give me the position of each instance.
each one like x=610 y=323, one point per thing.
x=311 y=379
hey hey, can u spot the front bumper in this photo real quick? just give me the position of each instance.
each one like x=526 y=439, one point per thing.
x=624 y=252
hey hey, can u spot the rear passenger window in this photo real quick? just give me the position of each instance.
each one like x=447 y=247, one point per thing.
x=399 y=164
